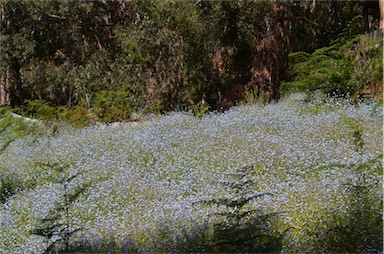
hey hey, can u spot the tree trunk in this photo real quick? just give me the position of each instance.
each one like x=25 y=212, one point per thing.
x=270 y=61
x=364 y=22
x=372 y=12
x=381 y=7
x=115 y=12
x=4 y=72
x=4 y=96
x=16 y=92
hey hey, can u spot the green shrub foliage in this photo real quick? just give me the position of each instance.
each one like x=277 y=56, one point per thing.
x=56 y=227
x=240 y=229
x=359 y=230
x=341 y=68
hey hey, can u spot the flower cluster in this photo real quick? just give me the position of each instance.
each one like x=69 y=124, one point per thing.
x=146 y=180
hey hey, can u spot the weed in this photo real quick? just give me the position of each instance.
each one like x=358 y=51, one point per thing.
x=200 y=109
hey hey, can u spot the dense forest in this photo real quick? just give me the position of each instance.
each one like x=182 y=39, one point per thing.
x=103 y=60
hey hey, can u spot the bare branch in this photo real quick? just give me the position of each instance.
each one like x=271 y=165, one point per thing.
x=303 y=18
x=56 y=17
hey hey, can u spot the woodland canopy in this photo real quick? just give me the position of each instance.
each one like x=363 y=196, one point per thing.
x=110 y=58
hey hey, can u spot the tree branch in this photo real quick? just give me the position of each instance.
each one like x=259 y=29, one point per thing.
x=56 y=16
x=302 y=18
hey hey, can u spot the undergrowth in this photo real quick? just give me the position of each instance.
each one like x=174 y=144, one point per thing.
x=350 y=67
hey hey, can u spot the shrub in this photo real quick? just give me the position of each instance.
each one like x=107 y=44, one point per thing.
x=4 y=110
x=77 y=116
x=56 y=226
x=9 y=185
x=40 y=109
x=345 y=68
x=113 y=105
x=357 y=227
x=200 y=109
x=12 y=128
x=240 y=228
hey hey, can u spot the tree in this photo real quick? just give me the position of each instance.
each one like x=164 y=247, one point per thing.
x=16 y=49
x=381 y=7
x=163 y=55
x=370 y=13
x=43 y=42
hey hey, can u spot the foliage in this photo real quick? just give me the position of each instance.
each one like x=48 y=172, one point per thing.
x=200 y=109
x=339 y=69
x=170 y=55
x=4 y=110
x=112 y=106
x=77 y=116
x=14 y=127
x=56 y=225
x=40 y=109
x=356 y=228
x=323 y=22
x=241 y=228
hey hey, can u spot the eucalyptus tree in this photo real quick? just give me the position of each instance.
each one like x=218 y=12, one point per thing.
x=43 y=42
x=162 y=55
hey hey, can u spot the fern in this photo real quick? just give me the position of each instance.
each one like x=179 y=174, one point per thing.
x=241 y=228
x=56 y=226
x=343 y=68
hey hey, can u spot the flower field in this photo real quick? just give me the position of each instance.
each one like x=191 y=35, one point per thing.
x=143 y=187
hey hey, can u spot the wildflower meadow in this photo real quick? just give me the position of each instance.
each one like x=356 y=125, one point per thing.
x=294 y=176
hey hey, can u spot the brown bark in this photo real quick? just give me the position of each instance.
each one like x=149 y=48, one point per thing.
x=304 y=19
x=270 y=59
x=4 y=96
x=372 y=11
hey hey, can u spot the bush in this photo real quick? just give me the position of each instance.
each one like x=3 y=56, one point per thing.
x=240 y=228
x=344 y=68
x=77 y=116
x=40 y=109
x=113 y=106
x=56 y=227
x=9 y=185
x=357 y=227
x=13 y=127
x=4 y=110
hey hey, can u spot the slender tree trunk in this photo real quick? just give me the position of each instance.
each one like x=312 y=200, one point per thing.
x=270 y=61
x=115 y=11
x=17 y=95
x=4 y=72
x=364 y=22
x=3 y=93
x=2 y=88
x=283 y=49
x=381 y=6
